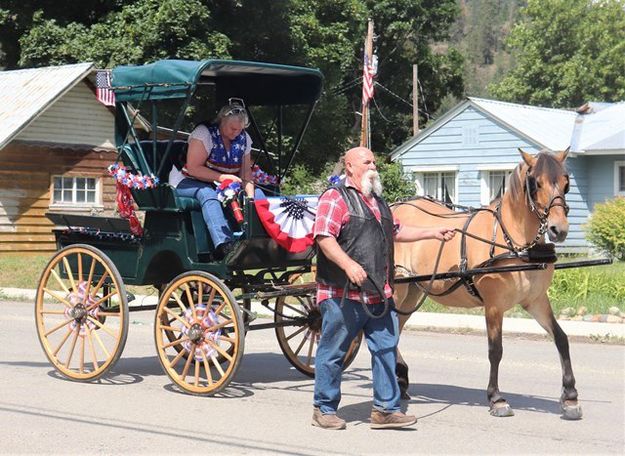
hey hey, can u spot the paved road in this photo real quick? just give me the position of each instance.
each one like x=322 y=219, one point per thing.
x=267 y=409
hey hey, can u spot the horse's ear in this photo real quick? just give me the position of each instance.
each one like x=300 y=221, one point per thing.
x=527 y=158
x=561 y=156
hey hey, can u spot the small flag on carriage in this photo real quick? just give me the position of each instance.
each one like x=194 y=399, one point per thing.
x=104 y=94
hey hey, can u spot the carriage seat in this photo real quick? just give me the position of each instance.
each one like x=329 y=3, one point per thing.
x=164 y=196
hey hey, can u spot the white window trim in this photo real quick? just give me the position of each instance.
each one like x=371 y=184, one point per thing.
x=497 y=167
x=617 y=165
x=484 y=180
x=420 y=170
x=97 y=205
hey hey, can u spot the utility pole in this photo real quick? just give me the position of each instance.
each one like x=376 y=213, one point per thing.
x=364 y=128
x=415 y=99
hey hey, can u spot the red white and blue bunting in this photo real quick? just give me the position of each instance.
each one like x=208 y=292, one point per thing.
x=289 y=221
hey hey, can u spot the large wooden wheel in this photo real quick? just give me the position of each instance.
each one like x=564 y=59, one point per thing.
x=81 y=311
x=199 y=333
x=298 y=329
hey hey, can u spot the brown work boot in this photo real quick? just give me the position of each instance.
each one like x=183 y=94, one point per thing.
x=327 y=421
x=390 y=420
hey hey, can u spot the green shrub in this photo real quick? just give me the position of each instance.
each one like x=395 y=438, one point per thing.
x=395 y=183
x=606 y=228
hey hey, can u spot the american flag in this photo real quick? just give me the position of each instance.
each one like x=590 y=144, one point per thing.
x=368 y=72
x=104 y=94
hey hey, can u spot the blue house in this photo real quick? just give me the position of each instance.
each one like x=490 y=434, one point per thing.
x=466 y=155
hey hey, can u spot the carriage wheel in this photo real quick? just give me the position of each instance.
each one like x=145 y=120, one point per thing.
x=81 y=311
x=199 y=333
x=299 y=341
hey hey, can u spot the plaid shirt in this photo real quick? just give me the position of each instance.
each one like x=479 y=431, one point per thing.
x=332 y=215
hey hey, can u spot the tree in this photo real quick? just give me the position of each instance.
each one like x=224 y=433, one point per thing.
x=567 y=52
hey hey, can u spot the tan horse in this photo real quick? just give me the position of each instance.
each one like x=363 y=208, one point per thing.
x=495 y=236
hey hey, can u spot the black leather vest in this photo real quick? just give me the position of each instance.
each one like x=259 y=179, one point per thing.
x=365 y=240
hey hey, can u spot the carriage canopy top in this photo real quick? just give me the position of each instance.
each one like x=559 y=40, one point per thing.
x=255 y=82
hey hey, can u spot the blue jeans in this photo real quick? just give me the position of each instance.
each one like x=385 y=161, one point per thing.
x=339 y=328
x=212 y=211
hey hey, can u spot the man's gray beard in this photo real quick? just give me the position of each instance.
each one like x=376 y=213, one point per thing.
x=370 y=183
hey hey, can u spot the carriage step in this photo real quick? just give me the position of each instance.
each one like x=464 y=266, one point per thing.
x=130 y=297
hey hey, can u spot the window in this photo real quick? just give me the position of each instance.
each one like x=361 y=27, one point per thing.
x=439 y=184
x=75 y=191
x=494 y=184
x=619 y=178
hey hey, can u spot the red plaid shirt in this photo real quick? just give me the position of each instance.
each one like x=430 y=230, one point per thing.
x=332 y=215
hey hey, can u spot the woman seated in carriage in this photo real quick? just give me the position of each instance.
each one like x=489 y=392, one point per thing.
x=217 y=152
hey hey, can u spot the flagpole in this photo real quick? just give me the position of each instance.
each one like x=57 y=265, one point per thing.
x=365 y=135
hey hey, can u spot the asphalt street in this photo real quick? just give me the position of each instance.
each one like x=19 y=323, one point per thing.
x=267 y=408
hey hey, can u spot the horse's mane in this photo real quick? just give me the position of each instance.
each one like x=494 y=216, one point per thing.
x=517 y=177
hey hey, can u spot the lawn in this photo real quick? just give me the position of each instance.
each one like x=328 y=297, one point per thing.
x=597 y=288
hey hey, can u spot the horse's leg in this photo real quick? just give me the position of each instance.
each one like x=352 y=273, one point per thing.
x=494 y=319
x=404 y=301
x=542 y=312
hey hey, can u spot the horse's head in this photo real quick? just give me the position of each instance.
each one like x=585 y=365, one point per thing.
x=545 y=183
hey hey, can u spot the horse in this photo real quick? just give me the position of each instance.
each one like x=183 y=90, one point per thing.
x=500 y=234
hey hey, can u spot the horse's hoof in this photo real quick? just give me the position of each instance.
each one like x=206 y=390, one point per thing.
x=501 y=409
x=571 y=411
x=405 y=396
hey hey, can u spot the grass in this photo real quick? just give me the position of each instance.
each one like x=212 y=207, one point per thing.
x=597 y=288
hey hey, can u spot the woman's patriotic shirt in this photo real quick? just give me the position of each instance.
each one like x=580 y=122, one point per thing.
x=217 y=157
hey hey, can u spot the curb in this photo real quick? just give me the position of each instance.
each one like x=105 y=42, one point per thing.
x=421 y=320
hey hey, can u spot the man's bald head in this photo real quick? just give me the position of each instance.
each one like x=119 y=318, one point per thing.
x=359 y=164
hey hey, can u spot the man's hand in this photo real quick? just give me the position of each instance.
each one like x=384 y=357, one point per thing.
x=443 y=234
x=355 y=273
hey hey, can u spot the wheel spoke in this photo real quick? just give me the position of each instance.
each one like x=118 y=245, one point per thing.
x=220 y=325
x=221 y=351
x=91 y=269
x=79 y=267
x=176 y=359
x=99 y=284
x=217 y=365
x=94 y=358
x=299 y=347
x=109 y=314
x=97 y=337
x=59 y=281
x=228 y=339
x=57 y=327
x=303 y=328
x=176 y=342
x=101 y=300
x=310 y=349
x=188 y=363
x=207 y=368
x=56 y=350
x=70 y=274
x=101 y=326
x=189 y=299
x=168 y=328
x=197 y=373
x=177 y=317
x=179 y=301
x=71 y=350
x=294 y=309
x=59 y=298
x=82 y=354
x=52 y=312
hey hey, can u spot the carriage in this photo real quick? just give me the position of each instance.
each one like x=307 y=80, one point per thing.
x=204 y=305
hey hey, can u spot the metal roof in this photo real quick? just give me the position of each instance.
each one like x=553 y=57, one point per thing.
x=603 y=129
x=26 y=94
x=552 y=128
x=598 y=128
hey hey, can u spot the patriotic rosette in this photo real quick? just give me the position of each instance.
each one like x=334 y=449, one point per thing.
x=289 y=221
x=335 y=180
x=130 y=180
x=262 y=178
x=80 y=297
x=211 y=338
x=227 y=192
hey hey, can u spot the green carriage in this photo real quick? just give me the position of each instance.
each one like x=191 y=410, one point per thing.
x=82 y=309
